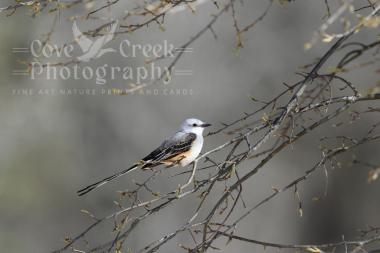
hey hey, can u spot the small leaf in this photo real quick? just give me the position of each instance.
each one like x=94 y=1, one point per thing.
x=314 y=250
x=307 y=46
x=373 y=175
x=265 y=118
x=156 y=194
x=327 y=38
x=372 y=22
x=67 y=239
x=254 y=99
x=300 y=211
x=275 y=189
x=88 y=213
x=162 y=28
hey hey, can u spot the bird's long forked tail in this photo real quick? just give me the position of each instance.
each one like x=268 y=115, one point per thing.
x=93 y=186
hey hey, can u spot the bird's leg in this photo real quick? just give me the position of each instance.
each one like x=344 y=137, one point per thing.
x=191 y=178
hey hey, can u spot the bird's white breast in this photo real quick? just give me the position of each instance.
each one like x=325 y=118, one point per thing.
x=194 y=151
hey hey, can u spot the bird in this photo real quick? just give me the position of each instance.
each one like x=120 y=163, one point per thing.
x=182 y=148
x=93 y=49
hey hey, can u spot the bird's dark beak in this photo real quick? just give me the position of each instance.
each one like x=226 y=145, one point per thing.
x=205 y=125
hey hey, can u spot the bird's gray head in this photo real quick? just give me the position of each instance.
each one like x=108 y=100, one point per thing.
x=194 y=126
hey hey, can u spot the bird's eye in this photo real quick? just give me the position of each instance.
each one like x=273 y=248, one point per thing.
x=194 y=125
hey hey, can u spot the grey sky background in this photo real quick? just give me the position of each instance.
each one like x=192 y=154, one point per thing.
x=52 y=145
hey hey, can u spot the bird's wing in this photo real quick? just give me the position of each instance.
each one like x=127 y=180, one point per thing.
x=158 y=6
x=111 y=33
x=100 y=42
x=84 y=42
x=179 y=143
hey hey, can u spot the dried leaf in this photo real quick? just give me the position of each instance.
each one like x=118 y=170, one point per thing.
x=300 y=211
x=265 y=118
x=314 y=250
x=327 y=38
x=373 y=175
x=372 y=22
x=307 y=46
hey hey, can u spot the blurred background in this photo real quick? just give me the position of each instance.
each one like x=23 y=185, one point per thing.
x=52 y=143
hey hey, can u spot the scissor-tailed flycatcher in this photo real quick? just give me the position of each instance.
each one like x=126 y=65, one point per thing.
x=182 y=148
